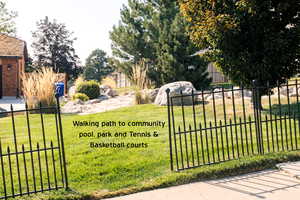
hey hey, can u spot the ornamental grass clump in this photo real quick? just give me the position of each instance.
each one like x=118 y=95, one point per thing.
x=39 y=87
x=141 y=82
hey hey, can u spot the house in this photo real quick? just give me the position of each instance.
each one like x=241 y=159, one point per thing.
x=13 y=55
x=215 y=75
x=120 y=79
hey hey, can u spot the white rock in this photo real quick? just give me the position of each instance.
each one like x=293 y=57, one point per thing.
x=93 y=101
x=110 y=92
x=175 y=89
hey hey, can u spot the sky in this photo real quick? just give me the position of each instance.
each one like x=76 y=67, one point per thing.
x=90 y=20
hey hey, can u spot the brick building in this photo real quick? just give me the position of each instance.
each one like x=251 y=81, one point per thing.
x=13 y=55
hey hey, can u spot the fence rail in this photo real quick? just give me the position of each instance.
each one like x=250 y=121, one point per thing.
x=208 y=127
x=32 y=158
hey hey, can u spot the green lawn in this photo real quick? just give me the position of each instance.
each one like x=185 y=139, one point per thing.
x=108 y=172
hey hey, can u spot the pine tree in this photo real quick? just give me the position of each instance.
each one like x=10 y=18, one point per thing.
x=154 y=31
x=7 y=24
x=97 y=66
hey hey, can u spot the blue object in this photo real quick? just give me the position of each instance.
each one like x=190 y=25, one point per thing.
x=60 y=87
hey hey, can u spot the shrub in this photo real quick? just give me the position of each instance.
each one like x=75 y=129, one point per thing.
x=90 y=88
x=39 y=87
x=81 y=96
x=79 y=80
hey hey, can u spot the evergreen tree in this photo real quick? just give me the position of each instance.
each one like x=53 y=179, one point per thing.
x=154 y=30
x=97 y=66
x=53 y=47
x=7 y=25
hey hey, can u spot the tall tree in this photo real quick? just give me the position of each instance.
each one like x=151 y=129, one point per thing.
x=154 y=30
x=248 y=39
x=7 y=24
x=53 y=47
x=97 y=66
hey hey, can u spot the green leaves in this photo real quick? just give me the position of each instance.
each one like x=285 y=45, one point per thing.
x=97 y=66
x=7 y=24
x=249 y=39
x=155 y=30
x=53 y=47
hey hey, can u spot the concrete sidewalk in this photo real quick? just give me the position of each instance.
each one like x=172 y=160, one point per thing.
x=18 y=103
x=270 y=184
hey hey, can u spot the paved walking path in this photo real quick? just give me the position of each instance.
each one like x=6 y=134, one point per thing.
x=109 y=104
x=278 y=184
x=18 y=103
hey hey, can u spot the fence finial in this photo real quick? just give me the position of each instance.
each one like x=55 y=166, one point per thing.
x=254 y=82
x=168 y=90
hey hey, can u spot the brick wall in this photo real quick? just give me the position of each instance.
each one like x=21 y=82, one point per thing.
x=10 y=82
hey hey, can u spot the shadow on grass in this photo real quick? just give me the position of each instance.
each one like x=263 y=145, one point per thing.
x=289 y=110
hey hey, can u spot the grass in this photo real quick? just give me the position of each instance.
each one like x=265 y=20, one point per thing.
x=97 y=173
x=220 y=85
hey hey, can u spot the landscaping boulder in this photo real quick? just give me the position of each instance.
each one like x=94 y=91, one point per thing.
x=238 y=93
x=175 y=89
x=151 y=93
x=110 y=92
x=104 y=88
x=247 y=93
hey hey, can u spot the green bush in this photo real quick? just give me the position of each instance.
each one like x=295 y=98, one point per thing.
x=81 y=96
x=90 y=88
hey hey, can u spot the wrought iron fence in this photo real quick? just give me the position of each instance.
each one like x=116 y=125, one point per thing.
x=208 y=127
x=32 y=155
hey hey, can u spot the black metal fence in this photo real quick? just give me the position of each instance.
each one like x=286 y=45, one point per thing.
x=208 y=127
x=32 y=156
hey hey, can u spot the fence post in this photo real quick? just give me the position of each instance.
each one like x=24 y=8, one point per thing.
x=256 y=110
x=170 y=133
x=62 y=142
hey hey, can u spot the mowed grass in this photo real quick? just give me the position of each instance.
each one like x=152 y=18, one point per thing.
x=103 y=172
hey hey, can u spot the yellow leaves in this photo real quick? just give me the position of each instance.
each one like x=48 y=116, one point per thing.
x=206 y=19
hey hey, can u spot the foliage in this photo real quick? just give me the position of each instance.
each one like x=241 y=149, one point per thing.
x=29 y=65
x=154 y=31
x=79 y=80
x=248 y=39
x=97 y=66
x=53 y=47
x=81 y=96
x=90 y=88
x=39 y=87
x=7 y=24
